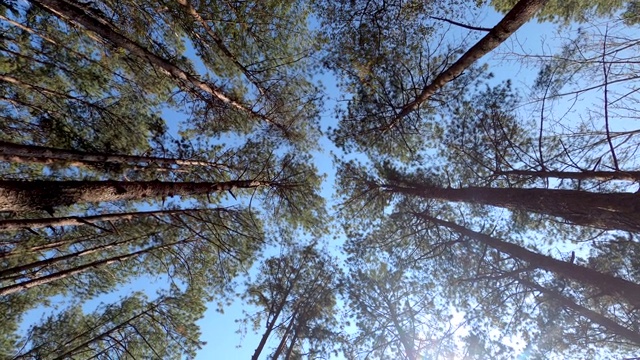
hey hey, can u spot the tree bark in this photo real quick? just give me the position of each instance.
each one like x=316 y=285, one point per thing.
x=512 y=21
x=21 y=196
x=76 y=14
x=588 y=314
x=17 y=153
x=576 y=175
x=292 y=343
x=10 y=289
x=608 y=211
x=17 y=224
x=607 y=284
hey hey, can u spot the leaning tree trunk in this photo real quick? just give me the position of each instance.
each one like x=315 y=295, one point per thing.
x=608 y=211
x=110 y=331
x=18 y=272
x=588 y=314
x=576 y=175
x=17 y=224
x=271 y=324
x=512 y=21
x=607 y=284
x=10 y=289
x=285 y=335
x=18 y=153
x=46 y=195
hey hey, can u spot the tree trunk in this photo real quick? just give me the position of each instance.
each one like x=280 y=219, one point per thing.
x=5 y=274
x=69 y=242
x=77 y=14
x=405 y=339
x=588 y=314
x=269 y=329
x=107 y=332
x=292 y=344
x=18 y=224
x=286 y=333
x=512 y=21
x=10 y=289
x=17 y=153
x=271 y=324
x=20 y=196
x=607 y=284
x=576 y=175
x=608 y=211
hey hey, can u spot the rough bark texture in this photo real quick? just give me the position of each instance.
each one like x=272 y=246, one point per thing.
x=46 y=195
x=576 y=175
x=17 y=153
x=607 y=284
x=17 y=224
x=595 y=317
x=512 y=21
x=609 y=211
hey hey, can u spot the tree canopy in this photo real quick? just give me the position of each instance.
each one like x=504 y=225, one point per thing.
x=480 y=198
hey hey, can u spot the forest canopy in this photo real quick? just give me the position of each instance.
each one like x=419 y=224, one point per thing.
x=364 y=179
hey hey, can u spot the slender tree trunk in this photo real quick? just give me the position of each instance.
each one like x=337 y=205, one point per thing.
x=107 y=332
x=17 y=224
x=77 y=14
x=286 y=333
x=10 y=289
x=607 y=284
x=46 y=195
x=17 y=153
x=405 y=340
x=269 y=329
x=68 y=242
x=512 y=21
x=271 y=324
x=609 y=211
x=5 y=274
x=292 y=344
x=588 y=314
x=576 y=175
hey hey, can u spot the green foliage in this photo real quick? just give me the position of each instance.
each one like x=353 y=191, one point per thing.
x=425 y=270
x=565 y=12
x=295 y=294
x=132 y=328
